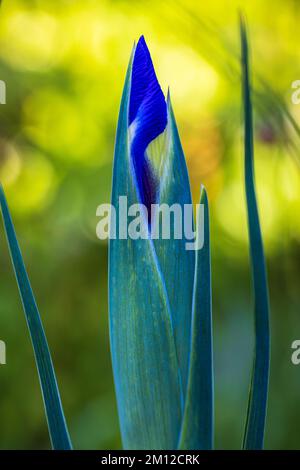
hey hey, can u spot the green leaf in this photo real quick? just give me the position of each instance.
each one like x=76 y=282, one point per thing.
x=55 y=416
x=197 y=425
x=257 y=405
x=177 y=264
x=145 y=363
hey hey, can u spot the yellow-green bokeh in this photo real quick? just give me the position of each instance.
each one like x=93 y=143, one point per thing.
x=64 y=65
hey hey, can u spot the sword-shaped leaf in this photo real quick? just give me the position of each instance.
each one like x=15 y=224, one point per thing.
x=177 y=262
x=54 y=412
x=257 y=405
x=197 y=424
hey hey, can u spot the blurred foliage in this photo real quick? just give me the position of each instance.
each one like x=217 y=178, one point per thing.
x=64 y=64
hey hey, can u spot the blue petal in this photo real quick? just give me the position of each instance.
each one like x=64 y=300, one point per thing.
x=148 y=111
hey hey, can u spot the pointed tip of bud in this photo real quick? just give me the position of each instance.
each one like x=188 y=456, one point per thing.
x=142 y=40
x=168 y=95
x=203 y=194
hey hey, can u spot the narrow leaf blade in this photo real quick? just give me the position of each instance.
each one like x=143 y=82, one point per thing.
x=257 y=405
x=198 y=420
x=54 y=412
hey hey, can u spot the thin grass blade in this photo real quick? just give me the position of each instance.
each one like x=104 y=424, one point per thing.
x=257 y=405
x=198 y=420
x=54 y=412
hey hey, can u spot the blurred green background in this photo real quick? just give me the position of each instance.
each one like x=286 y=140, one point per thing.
x=64 y=64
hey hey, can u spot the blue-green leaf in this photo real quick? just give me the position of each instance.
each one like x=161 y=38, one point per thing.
x=197 y=424
x=147 y=377
x=257 y=405
x=177 y=263
x=55 y=416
